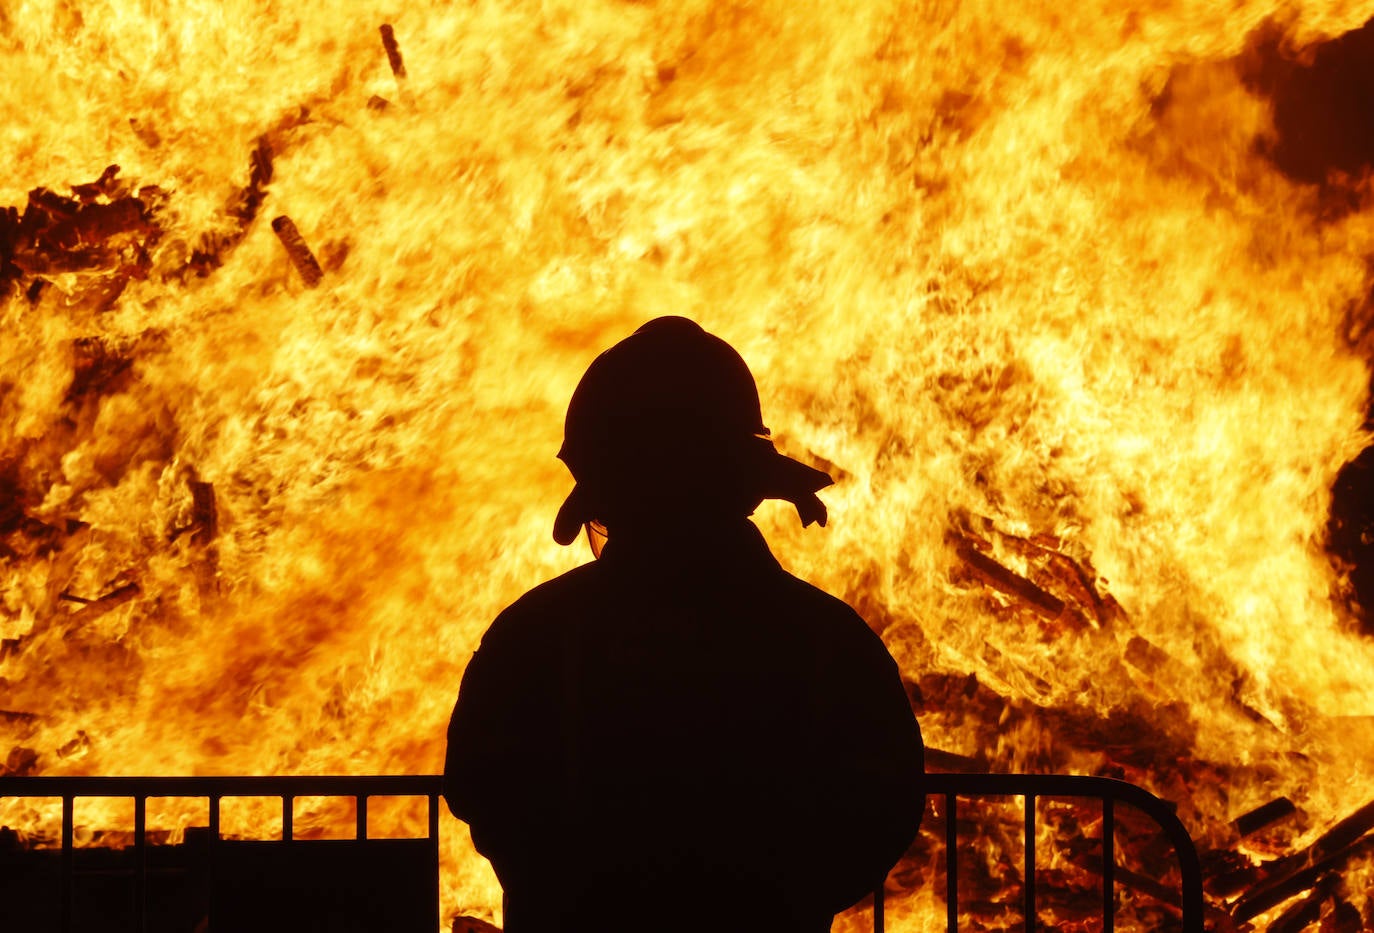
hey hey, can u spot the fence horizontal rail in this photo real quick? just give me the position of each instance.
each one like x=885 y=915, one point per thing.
x=375 y=785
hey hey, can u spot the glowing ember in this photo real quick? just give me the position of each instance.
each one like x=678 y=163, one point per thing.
x=1074 y=346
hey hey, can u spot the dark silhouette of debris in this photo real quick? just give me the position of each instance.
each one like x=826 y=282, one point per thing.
x=297 y=250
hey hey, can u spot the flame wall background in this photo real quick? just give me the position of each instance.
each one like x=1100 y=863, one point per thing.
x=1009 y=264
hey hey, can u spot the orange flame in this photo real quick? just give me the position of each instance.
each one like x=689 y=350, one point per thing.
x=1024 y=278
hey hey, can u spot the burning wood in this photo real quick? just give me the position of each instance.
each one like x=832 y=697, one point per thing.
x=204 y=514
x=1287 y=877
x=1265 y=815
x=101 y=368
x=1163 y=893
x=1307 y=910
x=77 y=747
x=115 y=597
x=146 y=132
x=937 y=760
x=393 y=52
x=1010 y=583
x=298 y=251
x=21 y=761
x=1060 y=588
x=102 y=228
x=201 y=520
x=1338 y=915
x=1146 y=657
x=398 y=70
x=1228 y=873
x=242 y=208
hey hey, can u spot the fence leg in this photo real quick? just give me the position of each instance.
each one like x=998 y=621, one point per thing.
x=878 y=919
x=952 y=862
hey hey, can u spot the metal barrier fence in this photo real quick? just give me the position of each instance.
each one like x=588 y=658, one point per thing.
x=409 y=868
x=221 y=855
x=1031 y=787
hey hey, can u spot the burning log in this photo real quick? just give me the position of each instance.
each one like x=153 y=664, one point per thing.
x=1162 y=893
x=203 y=511
x=105 y=186
x=100 y=369
x=1248 y=824
x=1308 y=910
x=205 y=527
x=1076 y=577
x=101 y=228
x=243 y=208
x=77 y=747
x=298 y=251
x=34 y=293
x=937 y=760
x=1292 y=875
x=9 y=240
x=1131 y=743
x=1081 y=582
x=92 y=608
x=146 y=134
x=1064 y=579
x=1343 y=917
x=393 y=52
x=1227 y=874
x=116 y=596
x=1145 y=657
x=202 y=522
x=67 y=235
x=1336 y=839
x=1166 y=895
x=21 y=761
x=398 y=70
x=1009 y=583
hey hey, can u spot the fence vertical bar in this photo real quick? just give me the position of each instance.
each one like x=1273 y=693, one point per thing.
x=141 y=862
x=1108 y=865
x=879 y=921
x=288 y=803
x=434 y=849
x=212 y=848
x=1030 y=863
x=952 y=862
x=65 y=881
x=360 y=805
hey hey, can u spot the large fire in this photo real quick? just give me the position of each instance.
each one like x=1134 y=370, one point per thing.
x=1025 y=278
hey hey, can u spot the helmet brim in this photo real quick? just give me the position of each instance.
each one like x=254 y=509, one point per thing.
x=781 y=477
x=575 y=512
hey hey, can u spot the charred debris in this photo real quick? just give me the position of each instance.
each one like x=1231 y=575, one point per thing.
x=77 y=253
x=1252 y=864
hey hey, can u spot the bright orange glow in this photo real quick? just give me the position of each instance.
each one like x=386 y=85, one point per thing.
x=1018 y=272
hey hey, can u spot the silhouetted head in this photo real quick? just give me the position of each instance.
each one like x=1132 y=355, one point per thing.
x=666 y=427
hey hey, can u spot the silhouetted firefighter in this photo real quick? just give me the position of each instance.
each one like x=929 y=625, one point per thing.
x=681 y=735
